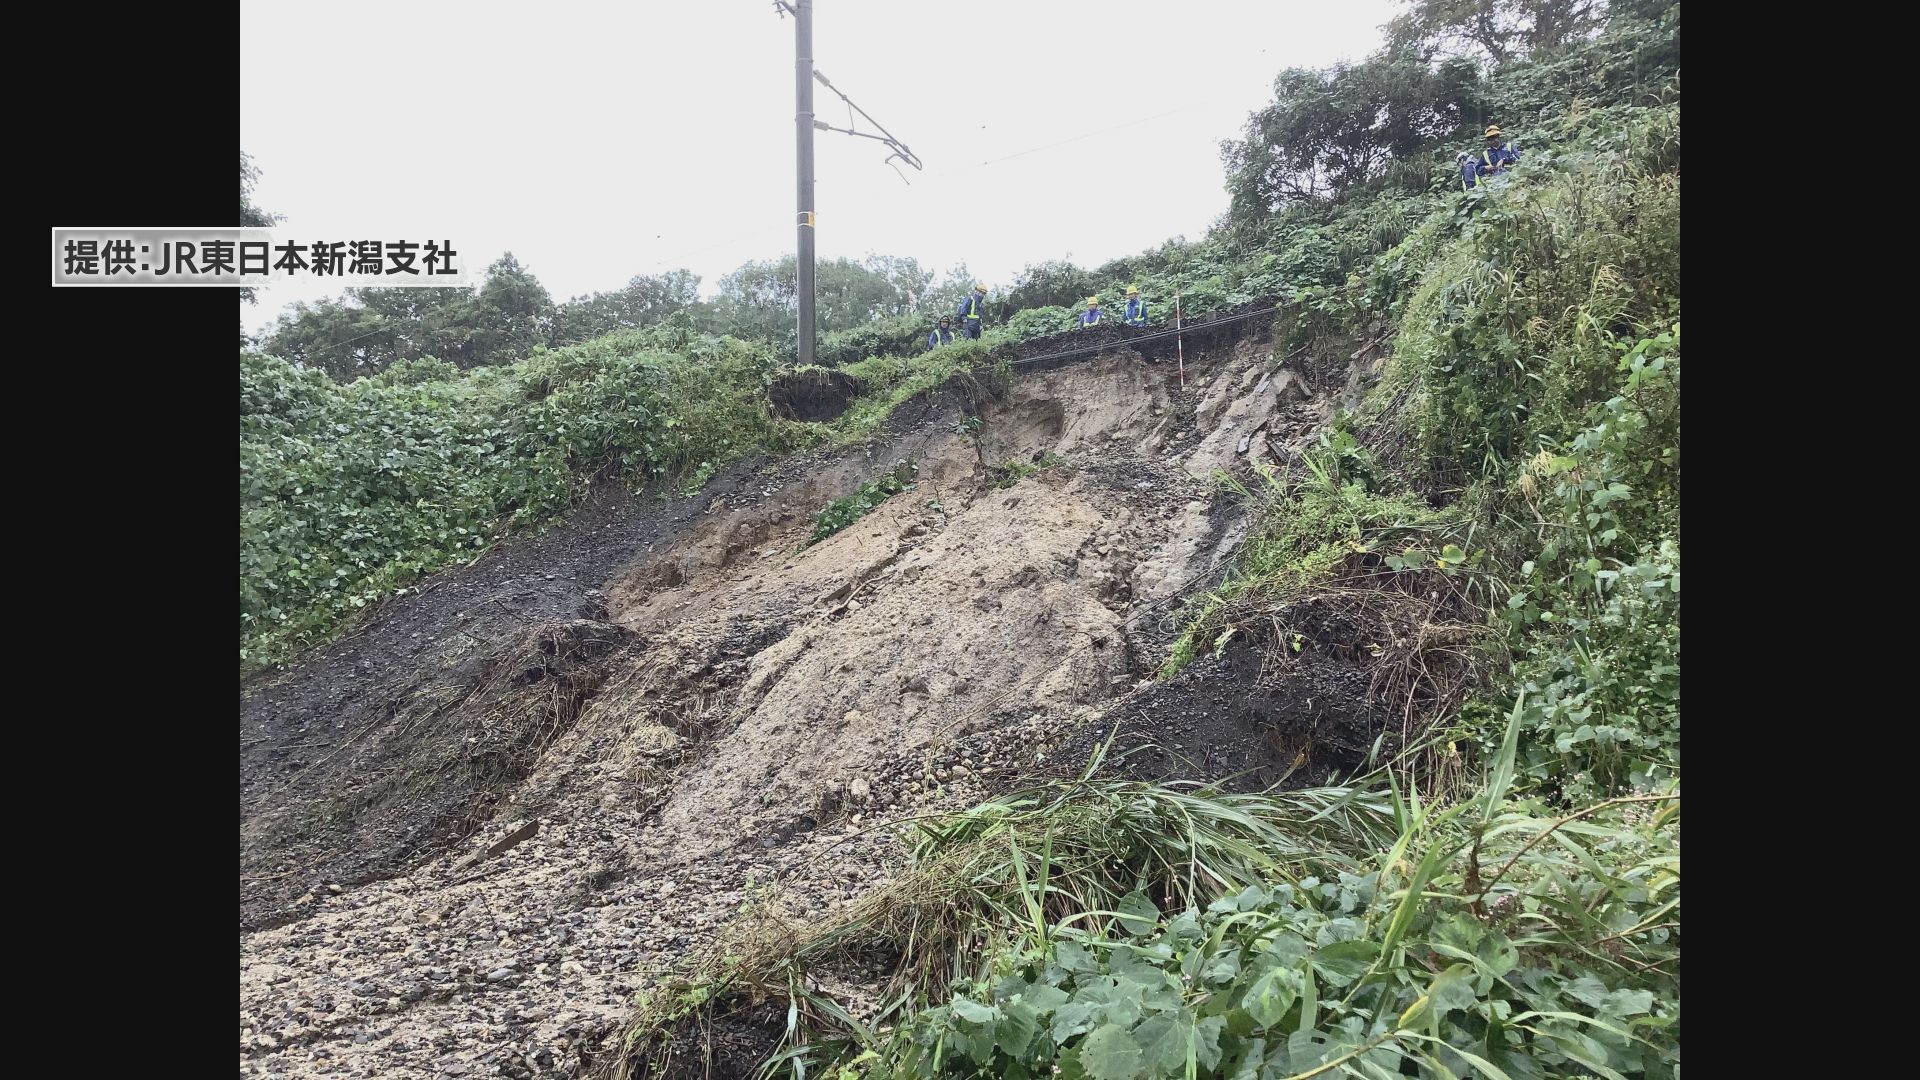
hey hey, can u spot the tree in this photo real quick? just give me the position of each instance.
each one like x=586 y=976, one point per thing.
x=944 y=296
x=646 y=299
x=339 y=337
x=510 y=314
x=908 y=281
x=1056 y=283
x=251 y=216
x=759 y=301
x=1500 y=30
x=1330 y=131
x=367 y=331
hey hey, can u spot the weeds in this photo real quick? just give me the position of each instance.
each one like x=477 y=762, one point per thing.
x=1010 y=472
x=843 y=512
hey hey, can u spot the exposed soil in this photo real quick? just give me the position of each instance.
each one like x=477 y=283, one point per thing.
x=812 y=395
x=693 y=706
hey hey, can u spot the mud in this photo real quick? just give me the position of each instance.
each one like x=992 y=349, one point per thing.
x=736 y=711
x=815 y=395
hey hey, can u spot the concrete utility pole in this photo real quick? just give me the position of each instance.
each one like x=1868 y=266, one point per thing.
x=804 y=76
x=803 y=134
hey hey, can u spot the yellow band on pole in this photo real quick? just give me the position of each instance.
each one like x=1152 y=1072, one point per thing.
x=806 y=218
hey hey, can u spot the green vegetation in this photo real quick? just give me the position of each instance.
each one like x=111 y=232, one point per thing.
x=1010 y=472
x=349 y=494
x=1498 y=895
x=843 y=512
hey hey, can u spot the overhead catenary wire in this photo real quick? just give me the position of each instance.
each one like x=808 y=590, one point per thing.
x=899 y=148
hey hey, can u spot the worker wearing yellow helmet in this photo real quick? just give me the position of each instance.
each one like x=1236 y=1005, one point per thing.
x=1496 y=157
x=973 y=309
x=1091 y=317
x=1136 y=313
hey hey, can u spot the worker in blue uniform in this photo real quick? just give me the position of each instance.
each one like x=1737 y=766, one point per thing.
x=972 y=310
x=1091 y=317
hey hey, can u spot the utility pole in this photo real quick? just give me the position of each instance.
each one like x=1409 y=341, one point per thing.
x=804 y=76
x=803 y=133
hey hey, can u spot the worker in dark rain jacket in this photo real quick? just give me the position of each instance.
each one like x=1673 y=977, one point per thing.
x=1136 y=314
x=972 y=310
x=942 y=334
x=1092 y=315
x=1496 y=157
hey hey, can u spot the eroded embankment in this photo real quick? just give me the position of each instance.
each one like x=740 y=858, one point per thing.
x=692 y=706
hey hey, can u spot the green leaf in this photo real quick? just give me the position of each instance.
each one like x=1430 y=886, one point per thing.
x=1163 y=1043
x=1588 y=990
x=1206 y=1041
x=1137 y=913
x=1496 y=954
x=1453 y=989
x=1110 y=1054
x=1503 y=763
x=1222 y=966
x=1344 y=961
x=1075 y=958
x=1628 y=1003
x=974 y=1012
x=1019 y=1024
x=1072 y=1019
x=1273 y=994
x=1044 y=999
x=1492 y=1071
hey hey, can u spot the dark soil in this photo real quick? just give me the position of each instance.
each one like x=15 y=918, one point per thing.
x=1247 y=719
x=460 y=622
x=727 y=1046
x=812 y=395
x=316 y=737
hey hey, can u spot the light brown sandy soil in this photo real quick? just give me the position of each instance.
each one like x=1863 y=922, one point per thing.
x=779 y=704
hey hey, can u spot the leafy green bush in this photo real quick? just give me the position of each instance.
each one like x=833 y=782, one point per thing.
x=1039 y=322
x=1508 y=335
x=1504 y=962
x=1597 y=611
x=901 y=335
x=349 y=493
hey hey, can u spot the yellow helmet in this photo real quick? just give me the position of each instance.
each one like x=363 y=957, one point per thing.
x=979 y=286
x=1133 y=290
x=1493 y=132
x=1093 y=301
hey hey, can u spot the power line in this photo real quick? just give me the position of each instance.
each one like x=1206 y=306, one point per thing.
x=899 y=148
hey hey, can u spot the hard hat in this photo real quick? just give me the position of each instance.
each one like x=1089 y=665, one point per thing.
x=1493 y=132
x=1093 y=301
x=1133 y=290
x=980 y=286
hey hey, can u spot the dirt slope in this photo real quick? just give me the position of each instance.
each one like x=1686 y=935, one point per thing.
x=694 y=708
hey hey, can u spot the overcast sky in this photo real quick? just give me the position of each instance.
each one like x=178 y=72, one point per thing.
x=597 y=139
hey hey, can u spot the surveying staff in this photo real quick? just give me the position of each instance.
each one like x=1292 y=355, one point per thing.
x=1496 y=157
x=972 y=310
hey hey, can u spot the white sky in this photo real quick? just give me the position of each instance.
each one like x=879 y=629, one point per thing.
x=597 y=140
